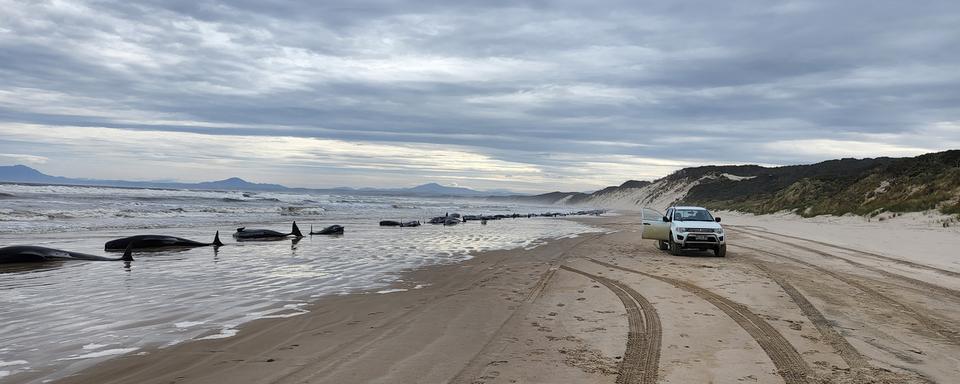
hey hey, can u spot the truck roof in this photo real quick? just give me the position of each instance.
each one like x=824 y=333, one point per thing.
x=688 y=207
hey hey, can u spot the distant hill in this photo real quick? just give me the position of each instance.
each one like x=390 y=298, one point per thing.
x=835 y=187
x=236 y=183
x=575 y=198
x=863 y=187
x=437 y=189
x=25 y=174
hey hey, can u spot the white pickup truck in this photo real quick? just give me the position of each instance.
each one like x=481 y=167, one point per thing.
x=685 y=228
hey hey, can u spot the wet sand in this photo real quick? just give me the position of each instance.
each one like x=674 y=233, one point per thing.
x=604 y=308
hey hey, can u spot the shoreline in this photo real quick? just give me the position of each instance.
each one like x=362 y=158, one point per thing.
x=782 y=309
x=410 y=287
x=173 y=297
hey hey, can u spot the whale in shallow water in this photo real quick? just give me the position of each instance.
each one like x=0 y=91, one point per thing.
x=35 y=254
x=157 y=241
x=331 y=230
x=265 y=234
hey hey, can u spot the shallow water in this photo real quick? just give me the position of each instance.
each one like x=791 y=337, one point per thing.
x=69 y=315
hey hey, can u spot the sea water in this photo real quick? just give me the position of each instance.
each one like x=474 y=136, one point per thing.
x=63 y=316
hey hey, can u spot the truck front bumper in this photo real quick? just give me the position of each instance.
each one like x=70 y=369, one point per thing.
x=699 y=240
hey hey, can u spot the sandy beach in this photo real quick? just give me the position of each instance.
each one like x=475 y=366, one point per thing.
x=609 y=307
x=428 y=192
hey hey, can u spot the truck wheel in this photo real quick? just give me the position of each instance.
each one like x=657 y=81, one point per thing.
x=720 y=251
x=674 y=246
x=662 y=245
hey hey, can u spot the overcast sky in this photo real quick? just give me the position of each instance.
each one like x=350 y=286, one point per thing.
x=530 y=96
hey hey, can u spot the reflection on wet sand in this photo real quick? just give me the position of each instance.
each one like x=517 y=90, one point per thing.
x=30 y=267
x=172 y=295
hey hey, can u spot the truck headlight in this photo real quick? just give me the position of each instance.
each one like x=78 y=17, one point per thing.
x=718 y=231
x=683 y=230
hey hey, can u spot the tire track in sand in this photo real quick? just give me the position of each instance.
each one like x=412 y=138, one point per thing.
x=847 y=352
x=943 y=290
x=474 y=366
x=790 y=365
x=924 y=320
x=541 y=285
x=641 y=360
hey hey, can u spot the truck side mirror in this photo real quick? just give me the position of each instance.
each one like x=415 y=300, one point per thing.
x=666 y=219
x=717 y=219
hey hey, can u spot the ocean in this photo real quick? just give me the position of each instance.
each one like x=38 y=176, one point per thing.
x=58 y=318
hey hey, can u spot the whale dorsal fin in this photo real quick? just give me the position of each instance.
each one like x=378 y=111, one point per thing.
x=128 y=253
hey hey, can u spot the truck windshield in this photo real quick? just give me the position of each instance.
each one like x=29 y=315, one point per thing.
x=692 y=215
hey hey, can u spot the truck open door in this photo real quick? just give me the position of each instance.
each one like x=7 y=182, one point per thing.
x=654 y=228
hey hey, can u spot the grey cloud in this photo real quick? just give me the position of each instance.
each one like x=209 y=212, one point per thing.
x=688 y=81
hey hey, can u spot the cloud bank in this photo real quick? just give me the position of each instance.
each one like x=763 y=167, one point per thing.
x=524 y=95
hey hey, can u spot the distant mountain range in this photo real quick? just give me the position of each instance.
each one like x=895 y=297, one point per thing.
x=25 y=174
x=836 y=187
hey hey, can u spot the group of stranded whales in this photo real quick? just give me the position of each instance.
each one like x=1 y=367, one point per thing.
x=456 y=218
x=36 y=254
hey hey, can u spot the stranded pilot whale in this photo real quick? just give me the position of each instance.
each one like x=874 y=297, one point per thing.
x=157 y=241
x=331 y=230
x=35 y=254
x=265 y=234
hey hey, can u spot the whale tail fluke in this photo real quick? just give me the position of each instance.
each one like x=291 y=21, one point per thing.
x=296 y=230
x=216 y=240
x=128 y=253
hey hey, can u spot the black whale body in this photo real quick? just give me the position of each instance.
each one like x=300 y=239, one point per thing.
x=35 y=254
x=157 y=241
x=392 y=223
x=265 y=234
x=331 y=230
